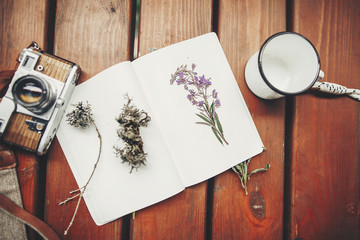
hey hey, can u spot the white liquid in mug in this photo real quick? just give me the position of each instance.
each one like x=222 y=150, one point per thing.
x=277 y=72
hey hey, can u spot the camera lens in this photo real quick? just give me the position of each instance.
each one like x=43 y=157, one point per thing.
x=33 y=93
x=30 y=93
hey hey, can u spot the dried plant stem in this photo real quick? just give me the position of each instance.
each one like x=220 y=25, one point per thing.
x=70 y=198
x=77 y=190
x=73 y=217
x=82 y=189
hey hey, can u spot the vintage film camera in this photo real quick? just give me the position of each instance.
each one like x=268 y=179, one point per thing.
x=31 y=110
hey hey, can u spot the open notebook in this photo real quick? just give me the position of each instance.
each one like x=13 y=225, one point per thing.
x=180 y=152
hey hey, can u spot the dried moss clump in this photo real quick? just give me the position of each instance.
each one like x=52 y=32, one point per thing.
x=130 y=120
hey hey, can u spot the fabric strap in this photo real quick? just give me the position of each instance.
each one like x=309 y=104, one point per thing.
x=10 y=228
x=20 y=214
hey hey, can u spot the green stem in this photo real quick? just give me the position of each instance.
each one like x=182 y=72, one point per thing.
x=213 y=124
x=242 y=171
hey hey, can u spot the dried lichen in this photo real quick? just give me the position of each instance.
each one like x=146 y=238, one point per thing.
x=130 y=120
x=81 y=116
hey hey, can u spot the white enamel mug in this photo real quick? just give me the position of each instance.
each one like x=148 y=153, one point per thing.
x=286 y=64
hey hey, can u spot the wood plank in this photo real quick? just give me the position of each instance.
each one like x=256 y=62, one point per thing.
x=166 y=22
x=243 y=27
x=95 y=35
x=325 y=188
x=17 y=32
x=162 y=23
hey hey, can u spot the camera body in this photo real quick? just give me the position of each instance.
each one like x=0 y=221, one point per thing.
x=32 y=108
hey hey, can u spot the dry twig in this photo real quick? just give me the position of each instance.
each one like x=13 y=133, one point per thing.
x=81 y=116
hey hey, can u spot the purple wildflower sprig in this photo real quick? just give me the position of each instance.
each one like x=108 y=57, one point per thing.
x=200 y=95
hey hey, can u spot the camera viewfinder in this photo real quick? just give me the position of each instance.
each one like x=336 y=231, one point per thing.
x=29 y=62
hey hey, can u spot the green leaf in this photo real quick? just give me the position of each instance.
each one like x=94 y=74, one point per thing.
x=217 y=136
x=204 y=118
x=245 y=171
x=218 y=123
x=204 y=123
x=260 y=169
x=212 y=109
x=207 y=107
x=239 y=170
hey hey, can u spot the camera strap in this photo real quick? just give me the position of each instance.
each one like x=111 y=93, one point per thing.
x=10 y=228
x=12 y=215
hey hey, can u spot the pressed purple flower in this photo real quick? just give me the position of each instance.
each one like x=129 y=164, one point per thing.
x=214 y=94
x=196 y=80
x=181 y=81
x=199 y=95
x=203 y=80
x=192 y=92
x=172 y=79
x=217 y=103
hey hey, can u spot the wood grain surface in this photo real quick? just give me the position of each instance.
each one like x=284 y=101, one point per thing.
x=163 y=23
x=325 y=179
x=312 y=190
x=243 y=27
x=95 y=35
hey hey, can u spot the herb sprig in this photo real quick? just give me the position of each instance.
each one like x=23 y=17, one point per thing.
x=200 y=95
x=242 y=171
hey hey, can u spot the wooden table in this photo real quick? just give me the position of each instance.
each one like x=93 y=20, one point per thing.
x=312 y=190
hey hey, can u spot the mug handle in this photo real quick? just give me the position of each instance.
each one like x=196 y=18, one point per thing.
x=334 y=88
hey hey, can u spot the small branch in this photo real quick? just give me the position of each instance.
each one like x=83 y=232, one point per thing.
x=77 y=190
x=73 y=217
x=82 y=117
x=69 y=199
x=98 y=158
x=80 y=195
